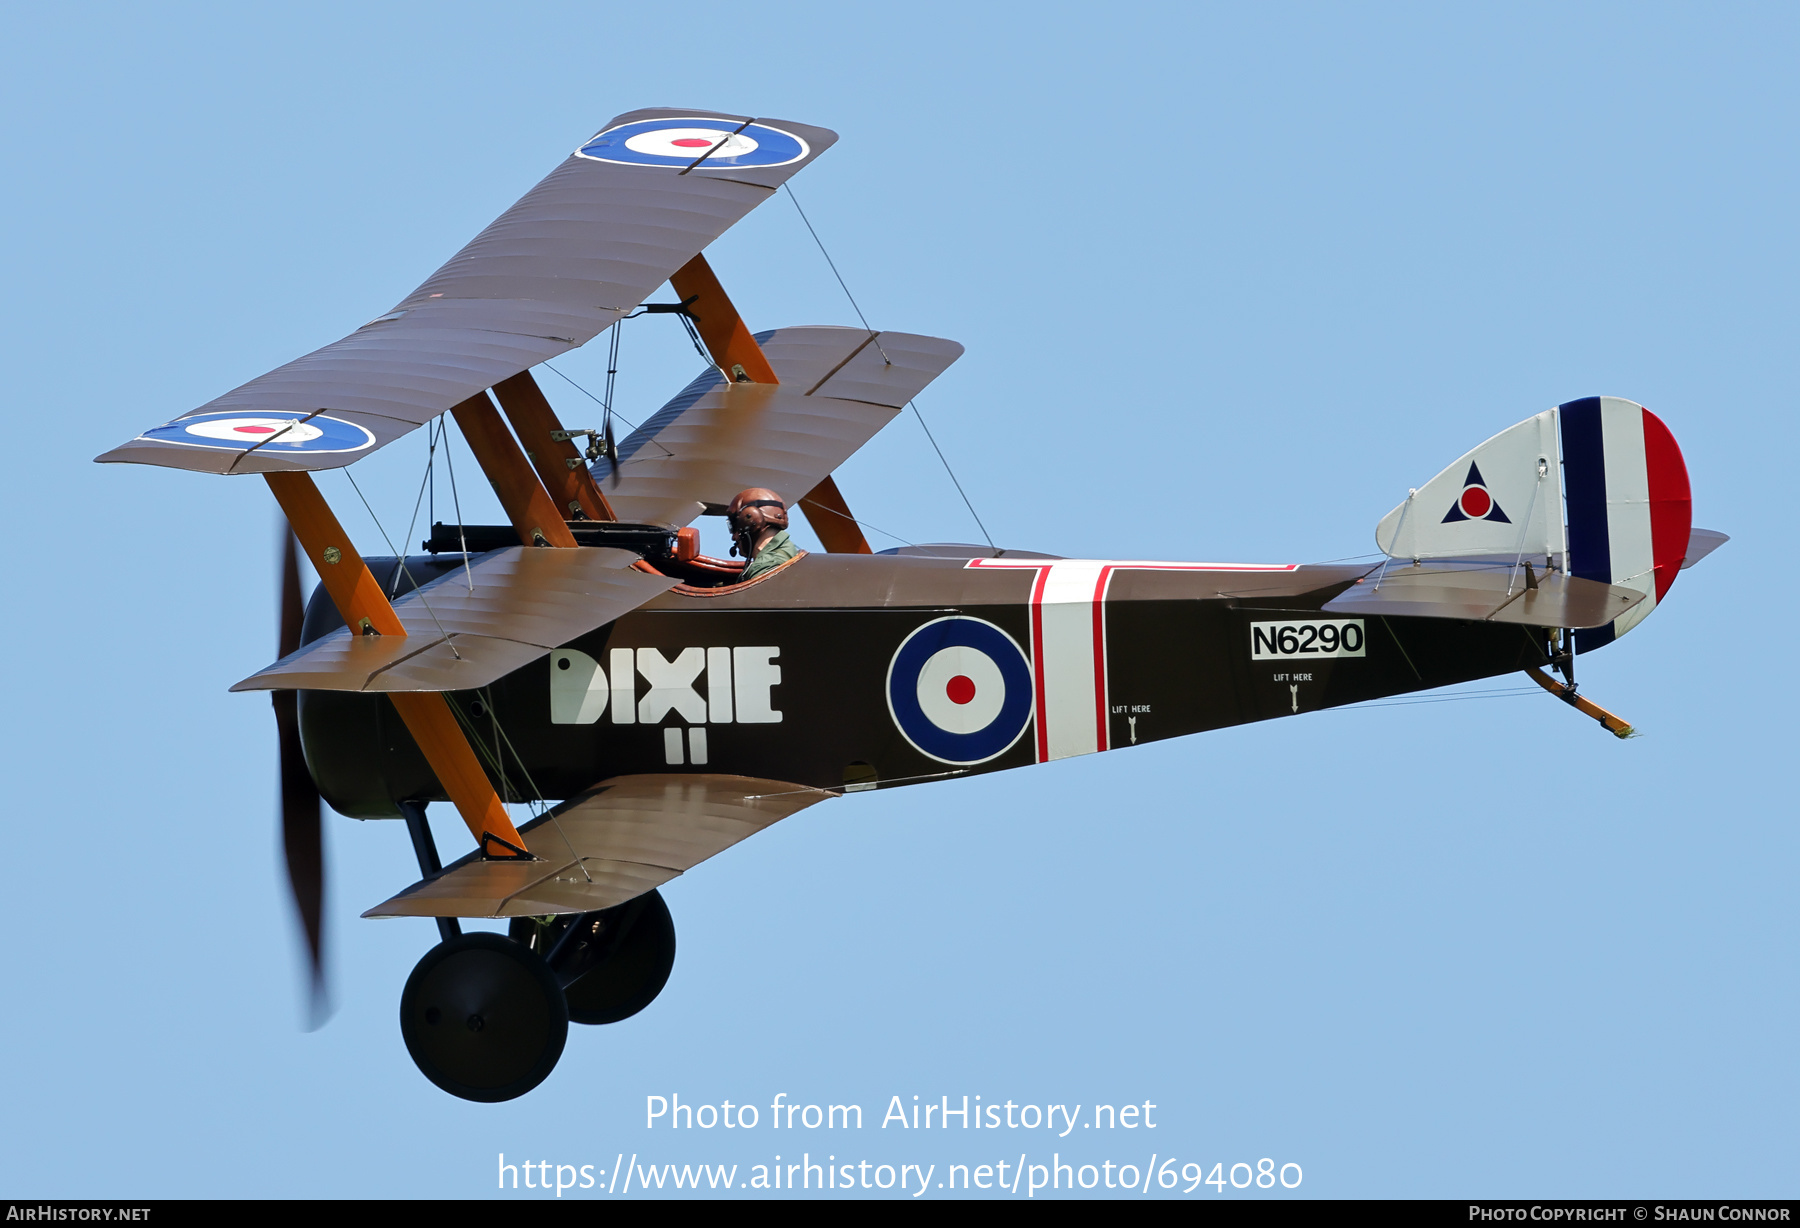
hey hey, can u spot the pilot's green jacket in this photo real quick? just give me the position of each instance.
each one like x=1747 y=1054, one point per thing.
x=779 y=550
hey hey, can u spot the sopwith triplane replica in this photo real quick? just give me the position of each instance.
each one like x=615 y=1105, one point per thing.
x=587 y=654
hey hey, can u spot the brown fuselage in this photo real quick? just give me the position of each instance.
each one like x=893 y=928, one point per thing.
x=856 y=671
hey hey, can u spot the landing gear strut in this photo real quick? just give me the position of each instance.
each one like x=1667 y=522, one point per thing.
x=485 y=1016
x=611 y=963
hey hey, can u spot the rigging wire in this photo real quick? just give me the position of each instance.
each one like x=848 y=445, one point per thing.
x=535 y=803
x=912 y=404
x=596 y=400
x=456 y=503
x=430 y=462
x=834 y=272
x=606 y=405
x=864 y=524
x=400 y=560
x=1502 y=693
x=947 y=469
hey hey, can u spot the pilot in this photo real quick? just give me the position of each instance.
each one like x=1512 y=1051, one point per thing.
x=758 y=520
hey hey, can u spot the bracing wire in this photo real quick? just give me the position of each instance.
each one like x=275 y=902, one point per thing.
x=913 y=404
x=602 y=404
x=834 y=272
x=612 y=376
x=1500 y=693
x=947 y=469
x=495 y=760
x=400 y=560
x=430 y=462
x=456 y=503
x=863 y=524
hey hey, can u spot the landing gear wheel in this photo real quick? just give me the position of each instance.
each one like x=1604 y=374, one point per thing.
x=615 y=963
x=483 y=1017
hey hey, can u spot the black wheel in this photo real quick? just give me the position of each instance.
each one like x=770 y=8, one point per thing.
x=483 y=1017
x=616 y=961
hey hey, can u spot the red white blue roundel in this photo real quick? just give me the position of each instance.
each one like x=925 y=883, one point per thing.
x=681 y=142
x=269 y=431
x=959 y=689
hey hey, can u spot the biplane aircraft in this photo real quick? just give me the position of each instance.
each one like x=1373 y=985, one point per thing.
x=587 y=654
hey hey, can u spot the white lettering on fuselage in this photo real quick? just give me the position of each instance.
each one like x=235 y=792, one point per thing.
x=738 y=683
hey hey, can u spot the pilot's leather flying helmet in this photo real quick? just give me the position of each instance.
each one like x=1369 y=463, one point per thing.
x=751 y=513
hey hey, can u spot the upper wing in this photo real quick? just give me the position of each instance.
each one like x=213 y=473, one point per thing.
x=838 y=387
x=464 y=631
x=578 y=251
x=609 y=845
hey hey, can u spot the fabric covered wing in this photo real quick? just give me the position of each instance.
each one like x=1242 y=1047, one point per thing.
x=465 y=631
x=838 y=387
x=609 y=845
x=581 y=249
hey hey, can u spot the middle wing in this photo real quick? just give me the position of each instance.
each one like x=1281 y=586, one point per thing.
x=464 y=630
x=838 y=387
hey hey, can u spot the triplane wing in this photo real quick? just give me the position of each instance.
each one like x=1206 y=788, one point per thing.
x=464 y=630
x=816 y=677
x=575 y=254
x=839 y=386
x=611 y=844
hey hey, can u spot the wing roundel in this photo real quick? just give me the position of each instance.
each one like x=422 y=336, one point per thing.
x=629 y=207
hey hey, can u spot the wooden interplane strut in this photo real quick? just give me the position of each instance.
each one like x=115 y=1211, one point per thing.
x=526 y=501
x=727 y=337
x=359 y=599
x=735 y=351
x=557 y=461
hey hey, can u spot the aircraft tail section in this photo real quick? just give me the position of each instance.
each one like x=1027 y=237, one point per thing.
x=1595 y=489
x=1629 y=508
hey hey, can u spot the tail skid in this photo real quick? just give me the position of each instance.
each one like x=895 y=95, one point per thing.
x=1612 y=724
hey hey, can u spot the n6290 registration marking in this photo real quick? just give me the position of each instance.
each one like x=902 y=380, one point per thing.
x=1285 y=641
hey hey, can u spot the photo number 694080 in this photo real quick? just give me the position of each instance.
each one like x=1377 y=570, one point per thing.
x=1334 y=637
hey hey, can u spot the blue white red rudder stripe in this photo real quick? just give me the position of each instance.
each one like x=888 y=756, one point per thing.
x=1630 y=512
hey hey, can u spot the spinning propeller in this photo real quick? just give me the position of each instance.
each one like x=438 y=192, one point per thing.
x=302 y=838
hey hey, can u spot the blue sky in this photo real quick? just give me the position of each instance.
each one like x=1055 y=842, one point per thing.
x=1231 y=279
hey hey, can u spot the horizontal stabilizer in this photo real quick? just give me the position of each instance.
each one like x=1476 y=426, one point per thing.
x=609 y=845
x=465 y=630
x=1701 y=542
x=621 y=214
x=839 y=386
x=1484 y=592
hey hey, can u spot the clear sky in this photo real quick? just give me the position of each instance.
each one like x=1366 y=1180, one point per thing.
x=1231 y=279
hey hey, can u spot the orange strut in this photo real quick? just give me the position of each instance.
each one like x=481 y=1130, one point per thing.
x=527 y=504
x=727 y=337
x=427 y=714
x=736 y=353
x=557 y=461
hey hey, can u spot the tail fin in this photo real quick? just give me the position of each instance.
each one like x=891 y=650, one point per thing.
x=1621 y=484
x=1630 y=510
